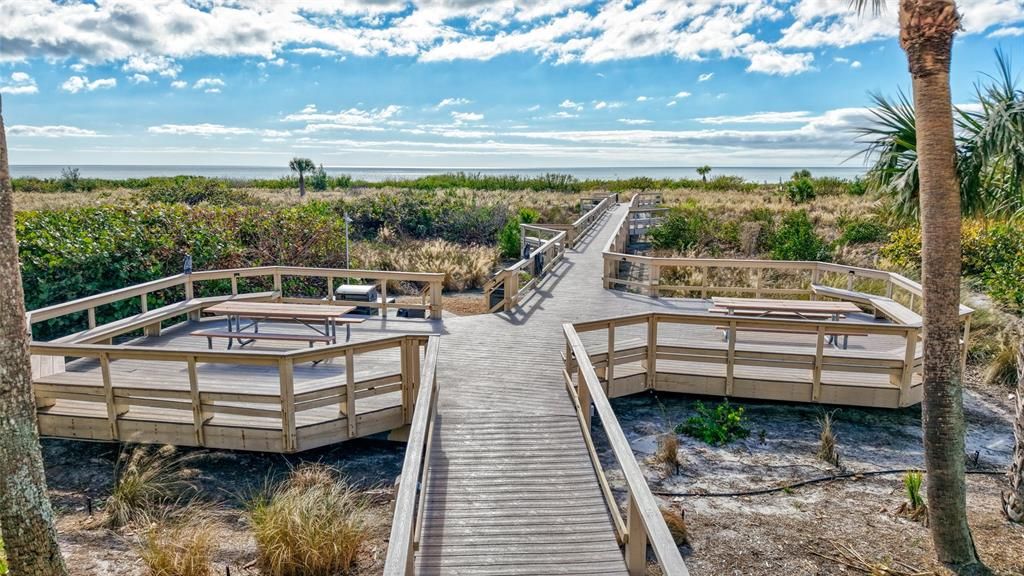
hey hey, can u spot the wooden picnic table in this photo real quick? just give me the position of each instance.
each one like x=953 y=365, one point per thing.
x=799 y=308
x=804 y=309
x=308 y=315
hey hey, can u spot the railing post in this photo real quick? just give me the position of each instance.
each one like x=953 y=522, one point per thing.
x=636 y=540
x=511 y=289
x=609 y=373
x=908 y=364
x=815 y=279
x=652 y=351
x=384 y=298
x=198 y=420
x=963 y=347
x=757 y=282
x=819 y=359
x=330 y=288
x=91 y=314
x=435 y=300
x=234 y=284
x=190 y=293
x=350 y=393
x=704 y=282
x=655 y=279
x=277 y=283
x=285 y=370
x=730 y=360
x=108 y=392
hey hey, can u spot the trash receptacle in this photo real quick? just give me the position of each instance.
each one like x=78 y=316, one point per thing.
x=359 y=293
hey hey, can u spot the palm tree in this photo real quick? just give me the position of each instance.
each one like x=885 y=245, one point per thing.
x=927 y=28
x=26 y=517
x=704 y=171
x=1013 y=499
x=302 y=165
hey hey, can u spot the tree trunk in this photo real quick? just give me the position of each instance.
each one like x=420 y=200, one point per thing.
x=1013 y=499
x=302 y=185
x=926 y=34
x=26 y=519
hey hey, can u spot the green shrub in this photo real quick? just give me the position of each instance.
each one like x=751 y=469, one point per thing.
x=795 y=239
x=912 y=482
x=803 y=174
x=3 y=559
x=318 y=179
x=684 y=228
x=799 y=190
x=196 y=190
x=857 y=187
x=719 y=425
x=862 y=231
x=509 y=241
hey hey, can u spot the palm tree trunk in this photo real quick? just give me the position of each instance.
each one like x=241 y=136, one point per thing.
x=26 y=518
x=1013 y=499
x=302 y=185
x=926 y=34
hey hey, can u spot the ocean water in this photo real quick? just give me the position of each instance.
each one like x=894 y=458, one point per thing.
x=117 y=172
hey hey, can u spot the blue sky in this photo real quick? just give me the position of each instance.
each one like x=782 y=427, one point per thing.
x=458 y=83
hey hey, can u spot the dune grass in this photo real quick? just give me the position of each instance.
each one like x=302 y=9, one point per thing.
x=311 y=524
x=179 y=549
x=150 y=484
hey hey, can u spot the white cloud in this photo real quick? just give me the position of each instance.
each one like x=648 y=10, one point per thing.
x=150 y=64
x=355 y=119
x=139 y=79
x=768 y=60
x=51 y=132
x=206 y=129
x=759 y=118
x=452 y=102
x=76 y=84
x=682 y=94
x=570 y=105
x=1007 y=32
x=705 y=77
x=316 y=51
x=671 y=103
x=208 y=83
x=179 y=84
x=855 y=64
x=20 y=83
x=533 y=108
x=564 y=114
x=601 y=105
x=460 y=117
x=635 y=121
x=642 y=98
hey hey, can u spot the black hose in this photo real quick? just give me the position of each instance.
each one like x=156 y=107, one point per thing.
x=820 y=479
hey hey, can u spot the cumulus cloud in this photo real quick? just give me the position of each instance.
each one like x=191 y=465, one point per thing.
x=460 y=117
x=682 y=94
x=642 y=98
x=19 y=83
x=76 y=84
x=139 y=79
x=705 y=77
x=209 y=84
x=149 y=64
x=179 y=84
x=353 y=119
x=570 y=105
x=768 y=60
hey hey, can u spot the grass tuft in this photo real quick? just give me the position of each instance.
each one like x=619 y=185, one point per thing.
x=146 y=481
x=312 y=524
x=178 y=549
x=915 y=507
x=676 y=522
x=1002 y=366
x=828 y=447
x=668 y=453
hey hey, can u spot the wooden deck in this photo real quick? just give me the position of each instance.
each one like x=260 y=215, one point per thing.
x=510 y=486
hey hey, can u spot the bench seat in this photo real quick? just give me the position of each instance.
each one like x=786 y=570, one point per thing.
x=211 y=334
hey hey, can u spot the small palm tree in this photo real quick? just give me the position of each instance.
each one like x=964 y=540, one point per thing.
x=704 y=171
x=302 y=165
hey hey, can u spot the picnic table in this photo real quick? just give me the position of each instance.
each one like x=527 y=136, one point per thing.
x=309 y=315
x=803 y=309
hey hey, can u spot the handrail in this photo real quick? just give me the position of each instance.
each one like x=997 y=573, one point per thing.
x=405 y=525
x=644 y=522
x=614 y=253
x=433 y=280
x=343 y=390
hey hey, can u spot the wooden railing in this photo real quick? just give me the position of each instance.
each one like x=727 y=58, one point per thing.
x=649 y=344
x=409 y=497
x=190 y=402
x=643 y=523
x=548 y=243
x=186 y=285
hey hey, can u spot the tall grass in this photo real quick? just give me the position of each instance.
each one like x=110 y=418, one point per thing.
x=912 y=482
x=178 y=549
x=312 y=524
x=147 y=482
x=668 y=453
x=464 y=267
x=828 y=447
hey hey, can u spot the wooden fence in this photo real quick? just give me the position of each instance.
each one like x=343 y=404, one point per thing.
x=199 y=411
x=643 y=523
x=548 y=243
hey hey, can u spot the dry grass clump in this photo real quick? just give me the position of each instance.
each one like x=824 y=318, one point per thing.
x=147 y=481
x=676 y=522
x=464 y=267
x=668 y=453
x=1002 y=366
x=845 y=554
x=312 y=524
x=828 y=448
x=178 y=549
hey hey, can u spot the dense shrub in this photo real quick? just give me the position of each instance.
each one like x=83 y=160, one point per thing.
x=862 y=231
x=719 y=425
x=427 y=214
x=318 y=179
x=795 y=239
x=509 y=240
x=684 y=228
x=993 y=255
x=799 y=190
x=192 y=190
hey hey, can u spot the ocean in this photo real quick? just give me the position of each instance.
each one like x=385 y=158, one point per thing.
x=119 y=172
